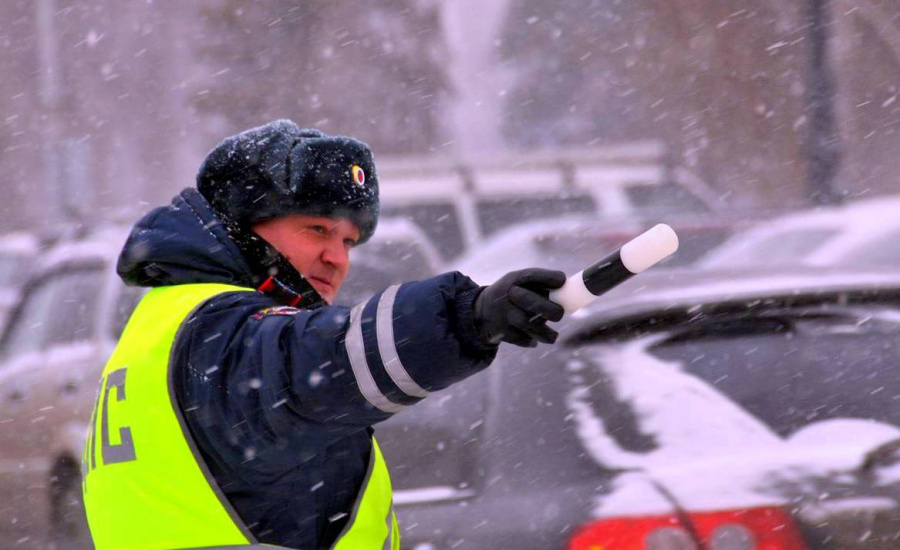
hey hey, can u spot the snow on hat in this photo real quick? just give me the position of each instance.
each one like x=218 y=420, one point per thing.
x=280 y=169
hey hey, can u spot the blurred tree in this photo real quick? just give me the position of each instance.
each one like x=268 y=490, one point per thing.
x=719 y=82
x=373 y=70
x=20 y=109
x=91 y=98
x=823 y=142
x=865 y=55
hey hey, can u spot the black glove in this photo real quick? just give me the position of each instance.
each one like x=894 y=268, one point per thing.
x=516 y=309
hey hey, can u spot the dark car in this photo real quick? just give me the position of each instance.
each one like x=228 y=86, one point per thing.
x=679 y=412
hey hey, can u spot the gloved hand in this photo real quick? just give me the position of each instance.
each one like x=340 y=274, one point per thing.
x=516 y=309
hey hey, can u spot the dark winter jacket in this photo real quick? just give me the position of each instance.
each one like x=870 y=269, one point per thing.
x=269 y=392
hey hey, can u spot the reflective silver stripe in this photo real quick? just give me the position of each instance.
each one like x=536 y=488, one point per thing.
x=387 y=347
x=356 y=351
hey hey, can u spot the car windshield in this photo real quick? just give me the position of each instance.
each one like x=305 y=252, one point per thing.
x=499 y=213
x=438 y=221
x=60 y=309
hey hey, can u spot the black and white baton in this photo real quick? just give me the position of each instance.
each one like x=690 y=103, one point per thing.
x=638 y=254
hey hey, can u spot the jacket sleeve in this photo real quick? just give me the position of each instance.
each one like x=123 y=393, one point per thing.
x=242 y=357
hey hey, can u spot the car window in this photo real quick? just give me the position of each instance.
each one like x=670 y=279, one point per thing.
x=790 y=372
x=59 y=309
x=495 y=214
x=663 y=198
x=439 y=221
x=695 y=244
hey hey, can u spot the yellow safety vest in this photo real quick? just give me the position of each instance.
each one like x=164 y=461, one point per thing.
x=146 y=487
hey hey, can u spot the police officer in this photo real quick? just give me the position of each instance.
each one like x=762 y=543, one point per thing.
x=238 y=406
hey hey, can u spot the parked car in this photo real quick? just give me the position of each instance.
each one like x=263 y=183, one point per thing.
x=57 y=341
x=861 y=234
x=682 y=411
x=17 y=255
x=459 y=203
x=575 y=242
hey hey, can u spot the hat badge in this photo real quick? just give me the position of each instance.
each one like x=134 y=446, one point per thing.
x=359 y=175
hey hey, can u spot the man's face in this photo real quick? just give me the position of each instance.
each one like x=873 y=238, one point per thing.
x=318 y=247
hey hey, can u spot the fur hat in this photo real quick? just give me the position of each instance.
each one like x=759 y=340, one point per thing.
x=280 y=169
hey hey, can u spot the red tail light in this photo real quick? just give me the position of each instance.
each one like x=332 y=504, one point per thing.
x=767 y=528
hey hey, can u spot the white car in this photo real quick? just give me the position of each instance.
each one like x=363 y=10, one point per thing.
x=53 y=351
x=459 y=203
x=17 y=254
x=863 y=234
x=572 y=243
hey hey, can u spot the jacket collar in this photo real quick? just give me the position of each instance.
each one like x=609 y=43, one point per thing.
x=187 y=242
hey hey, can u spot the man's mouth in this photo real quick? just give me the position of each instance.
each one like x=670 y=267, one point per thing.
x=323 y=282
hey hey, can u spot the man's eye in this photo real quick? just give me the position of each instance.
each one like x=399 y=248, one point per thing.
x=349 y=243
x=320 y=229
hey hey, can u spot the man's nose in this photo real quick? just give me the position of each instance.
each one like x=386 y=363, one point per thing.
x=337 y=254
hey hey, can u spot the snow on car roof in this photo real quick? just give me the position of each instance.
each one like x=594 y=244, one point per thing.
x=104 y=243
x=711 y=454
x=19 y=243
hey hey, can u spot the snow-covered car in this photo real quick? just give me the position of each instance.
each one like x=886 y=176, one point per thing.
x=460 y=202
x=682 y=411
x=575 y=242
x=56 y=343
x=17 y=254
x=861 y=234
